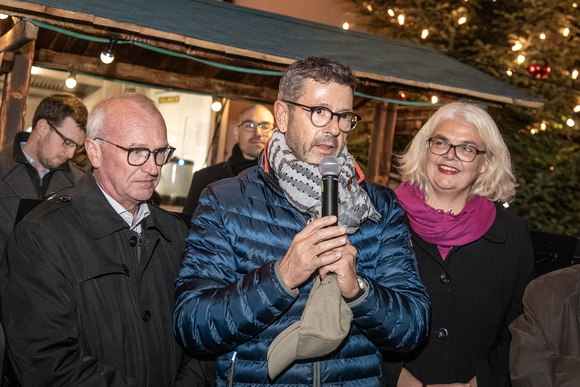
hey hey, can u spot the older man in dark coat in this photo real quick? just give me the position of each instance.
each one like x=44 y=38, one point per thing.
x=87 y=284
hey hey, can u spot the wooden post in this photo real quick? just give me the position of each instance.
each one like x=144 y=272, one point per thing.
x=18 y=43
x=381 y=147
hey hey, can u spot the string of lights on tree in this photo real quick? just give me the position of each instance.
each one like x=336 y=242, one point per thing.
x=534 y=67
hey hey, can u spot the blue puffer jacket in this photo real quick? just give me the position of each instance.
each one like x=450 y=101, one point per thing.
x=231 y=302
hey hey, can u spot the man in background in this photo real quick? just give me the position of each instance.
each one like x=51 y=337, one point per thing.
x=256 y=124
x=86 y=285
x=38 y=164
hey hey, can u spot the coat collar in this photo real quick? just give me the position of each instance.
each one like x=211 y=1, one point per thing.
x=98 y=214
x=19 y=157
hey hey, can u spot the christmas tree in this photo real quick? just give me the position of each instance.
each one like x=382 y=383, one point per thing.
x=533 y=45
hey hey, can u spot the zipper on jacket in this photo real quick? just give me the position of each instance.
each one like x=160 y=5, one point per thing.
x=316 y=378
x=231 y=370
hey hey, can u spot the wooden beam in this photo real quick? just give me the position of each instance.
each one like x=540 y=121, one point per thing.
x=20 y=35
x=15 y=95
x=153 y=77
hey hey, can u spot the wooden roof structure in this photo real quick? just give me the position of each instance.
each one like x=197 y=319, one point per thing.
x=217 y=48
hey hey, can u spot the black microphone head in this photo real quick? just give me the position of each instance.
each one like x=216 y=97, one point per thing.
x=329 y=166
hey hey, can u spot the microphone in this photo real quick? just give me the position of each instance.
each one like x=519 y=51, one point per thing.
x=329 y=169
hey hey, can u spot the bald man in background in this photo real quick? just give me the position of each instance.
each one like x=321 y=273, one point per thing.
x=256 y=125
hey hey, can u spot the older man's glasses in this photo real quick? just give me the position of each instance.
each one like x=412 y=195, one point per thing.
x=139 y=156
x=320 y=116
x=67 y=143
x=250 y=126
x=464 y=152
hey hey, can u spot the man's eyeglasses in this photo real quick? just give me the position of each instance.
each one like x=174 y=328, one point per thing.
x=250 y=126
x=464 y=152
x=139 y=156
x=320 y=116
x=66 y=142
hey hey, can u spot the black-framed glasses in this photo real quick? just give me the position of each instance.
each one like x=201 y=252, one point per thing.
x=320 y=116
x=139 y=156
x=66 y=142
x=464 y=152
x=250 y=126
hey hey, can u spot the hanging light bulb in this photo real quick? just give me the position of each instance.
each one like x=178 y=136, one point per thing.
x=391 y=13
x=521 y=58
x=577 y=109
x=345 y=26
x=108 y=54
x=542 y=36
x=401 y=19
x=434 y=99
x=461 y=20
x=71 y=81
x=575 y=74
x=216 y=105
x=424 y=34
x=509 y=72
x=3 y=16
x=570 y=122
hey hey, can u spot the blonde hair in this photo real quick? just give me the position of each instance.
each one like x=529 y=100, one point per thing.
x=498 y=183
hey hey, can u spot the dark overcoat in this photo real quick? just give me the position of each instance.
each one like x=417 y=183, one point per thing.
x=476 y=292
x=81 y=306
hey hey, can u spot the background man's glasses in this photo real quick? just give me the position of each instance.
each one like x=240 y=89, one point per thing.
x=320 y=116
x=66 y=142
x=463 y=152
x=250 y=126
x=139 y=156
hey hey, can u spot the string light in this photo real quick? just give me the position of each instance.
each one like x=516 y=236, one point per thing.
x=577 y=109
x=434 y=99
x=424 y=34
x=542 y=36
x=391 y=13
x=566 y=32
x=533 y=131
x=521 y=59
x=517 y=46
x=509 y=72
x=570 y=122
x=401 y=19
x=575 y=74
x=216 y=105
x=543 y=125
x=345 y=26
x=108 y=54
x=369 y=8
x=461 y=20
x=3 y=16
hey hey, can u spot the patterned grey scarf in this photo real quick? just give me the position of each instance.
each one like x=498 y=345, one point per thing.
x=301 y=183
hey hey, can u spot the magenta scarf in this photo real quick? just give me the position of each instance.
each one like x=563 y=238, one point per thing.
x=445 y=229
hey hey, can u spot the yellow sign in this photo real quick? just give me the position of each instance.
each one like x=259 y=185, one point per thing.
x=173 y=99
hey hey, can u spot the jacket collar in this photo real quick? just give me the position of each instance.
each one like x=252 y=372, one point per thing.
x=98 y=214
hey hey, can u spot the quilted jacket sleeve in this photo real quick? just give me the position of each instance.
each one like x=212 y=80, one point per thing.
x=221 y=305
x=395 y=314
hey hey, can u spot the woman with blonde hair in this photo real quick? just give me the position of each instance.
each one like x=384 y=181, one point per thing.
x=475 y=257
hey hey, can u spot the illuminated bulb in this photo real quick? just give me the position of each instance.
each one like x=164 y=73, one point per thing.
x=424 y=34
x=3 y=16
x=517 y=46
x=570 y=122
x=506 y=205
x=181 y=162
x=574 y=5
x=575 y=74
x=345 y=26
x=521 y=58
x=542 y=36
x=552 y=168
x=566 y=32
x=71 y=81
x=462 y=20
x=108 y=54
x=509 y=72
x=533 y=131
x=401 y=19
x=577 y=109
x=434 y=99
x=543 y=125
x=216 y=106
x=391 y=13
x=370 y=8
x=34 y=70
